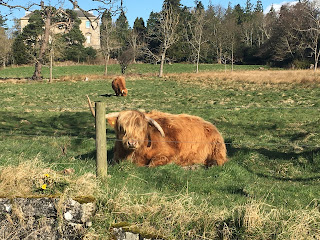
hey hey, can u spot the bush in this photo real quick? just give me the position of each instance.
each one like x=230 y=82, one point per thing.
x=301 y=64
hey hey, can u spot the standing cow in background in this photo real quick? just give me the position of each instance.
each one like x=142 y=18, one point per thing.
x=157 y=138
x=119 y=86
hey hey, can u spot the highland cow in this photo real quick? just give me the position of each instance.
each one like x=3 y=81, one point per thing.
x=119 y=86
x=157 y=138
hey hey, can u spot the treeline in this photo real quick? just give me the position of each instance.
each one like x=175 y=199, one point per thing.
x=237 y=34
x=289 y=37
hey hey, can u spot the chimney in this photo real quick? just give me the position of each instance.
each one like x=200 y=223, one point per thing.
x=42 y=5
x=75 y=5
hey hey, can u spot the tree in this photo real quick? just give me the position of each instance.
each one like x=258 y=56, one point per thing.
x=168 y=25
x=5 y=46
x=140 y=29
x=74 y=40
x=26 y=44
x=122 y=31
x=137 y=37
x=309 y=26
x=152 y=47
x=49 y=16
x=2 y=21
x=108 y=39
x=195 y=29
x=125 y=59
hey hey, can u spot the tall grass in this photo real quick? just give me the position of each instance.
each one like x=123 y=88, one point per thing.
x=269 y=189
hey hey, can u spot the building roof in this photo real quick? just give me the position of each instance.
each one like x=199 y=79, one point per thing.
x=79 y=13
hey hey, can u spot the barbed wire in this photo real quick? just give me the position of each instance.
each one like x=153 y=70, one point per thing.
x=242 y=144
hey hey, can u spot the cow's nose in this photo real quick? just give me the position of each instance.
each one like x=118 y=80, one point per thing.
x=132 y=143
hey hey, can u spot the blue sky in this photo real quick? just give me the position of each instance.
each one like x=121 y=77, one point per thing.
x=141 y=8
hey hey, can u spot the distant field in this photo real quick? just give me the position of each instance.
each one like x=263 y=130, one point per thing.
x=269 y=189
x=59 y=71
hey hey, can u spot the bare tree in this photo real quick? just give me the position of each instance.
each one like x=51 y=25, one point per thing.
x=214 y=29
x=134 y=43
x=125 y=59
x=108 y=38
x=311 y=29
x=195 y=34
x=169 y=20
x=5 y=46
x=165 y=32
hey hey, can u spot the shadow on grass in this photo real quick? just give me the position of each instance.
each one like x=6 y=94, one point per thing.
x=52 y=124
x=107 y=95
x=92 y=155
x=279 y=156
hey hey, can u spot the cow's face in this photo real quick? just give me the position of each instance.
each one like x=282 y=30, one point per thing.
x=124 y=92
x=131 y=129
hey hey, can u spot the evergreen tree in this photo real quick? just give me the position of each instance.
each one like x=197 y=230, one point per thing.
x=248 y=7
x=258 y=7
x=2 y=21
x=74 y=40
x=180 y=51
x=122 y=30
x=153 y=31
x=26 y=44
x=175 y=4
x=20 y=52
x=239 y=14
x=140 y=29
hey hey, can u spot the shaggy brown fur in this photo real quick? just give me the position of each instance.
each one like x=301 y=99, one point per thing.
x=119 y=86
x=188 y=139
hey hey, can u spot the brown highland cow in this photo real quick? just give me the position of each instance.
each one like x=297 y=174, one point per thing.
x=157 y=138
x=119 y=86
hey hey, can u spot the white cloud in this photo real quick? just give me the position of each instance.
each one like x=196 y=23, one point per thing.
x=277 y=6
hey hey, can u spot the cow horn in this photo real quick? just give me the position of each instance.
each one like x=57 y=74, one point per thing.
x=113 y=114
x=156 y=125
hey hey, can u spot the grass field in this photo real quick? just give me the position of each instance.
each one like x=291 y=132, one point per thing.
x=60 y=71
x=269 y=189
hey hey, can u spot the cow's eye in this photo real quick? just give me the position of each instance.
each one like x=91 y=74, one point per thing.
x=121 y=129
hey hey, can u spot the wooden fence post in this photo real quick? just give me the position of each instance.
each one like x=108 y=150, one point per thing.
x=101 y=141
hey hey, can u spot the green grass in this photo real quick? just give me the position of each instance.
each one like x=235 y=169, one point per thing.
x=59 y=71
x=271 y=130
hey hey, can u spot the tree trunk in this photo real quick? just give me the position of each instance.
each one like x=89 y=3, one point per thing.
x=220 y=53
x=43 y=47
x=51 y=65
x=316 y=58
x=198 y=59
x=232 y=56
x=163 y=55
x=106 y=61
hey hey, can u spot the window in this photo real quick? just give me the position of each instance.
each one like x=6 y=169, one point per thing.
x=88 y=25
x=88 y=37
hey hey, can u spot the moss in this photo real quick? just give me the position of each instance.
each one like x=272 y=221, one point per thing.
x=136 y=230
x=84 y=199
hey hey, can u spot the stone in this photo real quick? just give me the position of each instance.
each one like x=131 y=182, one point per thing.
x=37 y=218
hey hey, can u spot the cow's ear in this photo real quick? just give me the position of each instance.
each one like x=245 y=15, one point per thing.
x=112 y=121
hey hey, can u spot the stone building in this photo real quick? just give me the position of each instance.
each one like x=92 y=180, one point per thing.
x=89 y=28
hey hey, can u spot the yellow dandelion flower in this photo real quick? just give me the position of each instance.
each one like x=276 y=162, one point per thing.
x=47 y=175
x=44 y=186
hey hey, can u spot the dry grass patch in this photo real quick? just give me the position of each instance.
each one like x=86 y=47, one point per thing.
x=254 y=76
x=35 y=179
x=183 y=217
